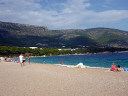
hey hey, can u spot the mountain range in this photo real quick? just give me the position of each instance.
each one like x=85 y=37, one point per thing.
x=24 y=35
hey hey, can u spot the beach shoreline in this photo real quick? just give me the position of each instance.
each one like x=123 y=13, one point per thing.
x=52 y=80
x=93 y=61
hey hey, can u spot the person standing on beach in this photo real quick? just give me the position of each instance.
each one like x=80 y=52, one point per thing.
x=28 y=59
x=21 y=59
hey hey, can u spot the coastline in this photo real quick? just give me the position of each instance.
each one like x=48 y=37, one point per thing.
x=52 y=80
x=99 y=62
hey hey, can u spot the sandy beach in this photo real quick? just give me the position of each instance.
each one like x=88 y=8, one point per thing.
x=52 y=80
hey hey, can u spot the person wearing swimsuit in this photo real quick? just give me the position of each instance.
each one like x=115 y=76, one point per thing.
x=113 y=67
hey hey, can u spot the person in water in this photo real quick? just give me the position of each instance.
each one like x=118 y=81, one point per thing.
x=44 y=61
x=113 y=67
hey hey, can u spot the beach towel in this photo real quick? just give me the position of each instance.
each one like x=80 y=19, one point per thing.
x=125 y=70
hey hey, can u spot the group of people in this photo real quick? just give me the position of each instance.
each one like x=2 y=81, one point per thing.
x=118 y=69
x=61 y=63
x=7 y=59
x=113 y=67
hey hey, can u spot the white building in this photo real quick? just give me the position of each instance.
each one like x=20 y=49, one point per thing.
x=33 y=47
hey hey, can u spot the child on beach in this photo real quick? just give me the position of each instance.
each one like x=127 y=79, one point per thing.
x=23 y=60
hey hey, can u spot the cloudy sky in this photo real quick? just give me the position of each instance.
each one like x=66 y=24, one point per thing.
x=66 y=14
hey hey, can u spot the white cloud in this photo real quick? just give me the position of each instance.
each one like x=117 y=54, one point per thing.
x=110 y=16
x=73 y=14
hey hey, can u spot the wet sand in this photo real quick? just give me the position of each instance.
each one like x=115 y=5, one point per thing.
x=52 y=80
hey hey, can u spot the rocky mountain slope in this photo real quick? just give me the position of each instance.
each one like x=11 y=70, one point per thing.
x=14 y=34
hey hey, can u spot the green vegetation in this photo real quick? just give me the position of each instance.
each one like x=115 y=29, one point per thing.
x=22 y=35
x=16 y=51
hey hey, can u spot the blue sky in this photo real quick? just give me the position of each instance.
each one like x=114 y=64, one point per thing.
x=66 y=14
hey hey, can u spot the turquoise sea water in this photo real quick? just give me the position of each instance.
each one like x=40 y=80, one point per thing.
x=91 y=60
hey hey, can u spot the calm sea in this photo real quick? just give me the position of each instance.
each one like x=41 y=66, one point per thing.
x=90 y=60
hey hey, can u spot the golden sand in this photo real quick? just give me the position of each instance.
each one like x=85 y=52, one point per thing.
x=52 y=80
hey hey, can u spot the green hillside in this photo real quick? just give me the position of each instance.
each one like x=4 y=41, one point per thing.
x=14 y=34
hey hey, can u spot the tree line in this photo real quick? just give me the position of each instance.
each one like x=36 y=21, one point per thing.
x=26 y=51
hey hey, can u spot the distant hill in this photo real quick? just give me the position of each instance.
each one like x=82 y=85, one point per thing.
x=14 y=34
